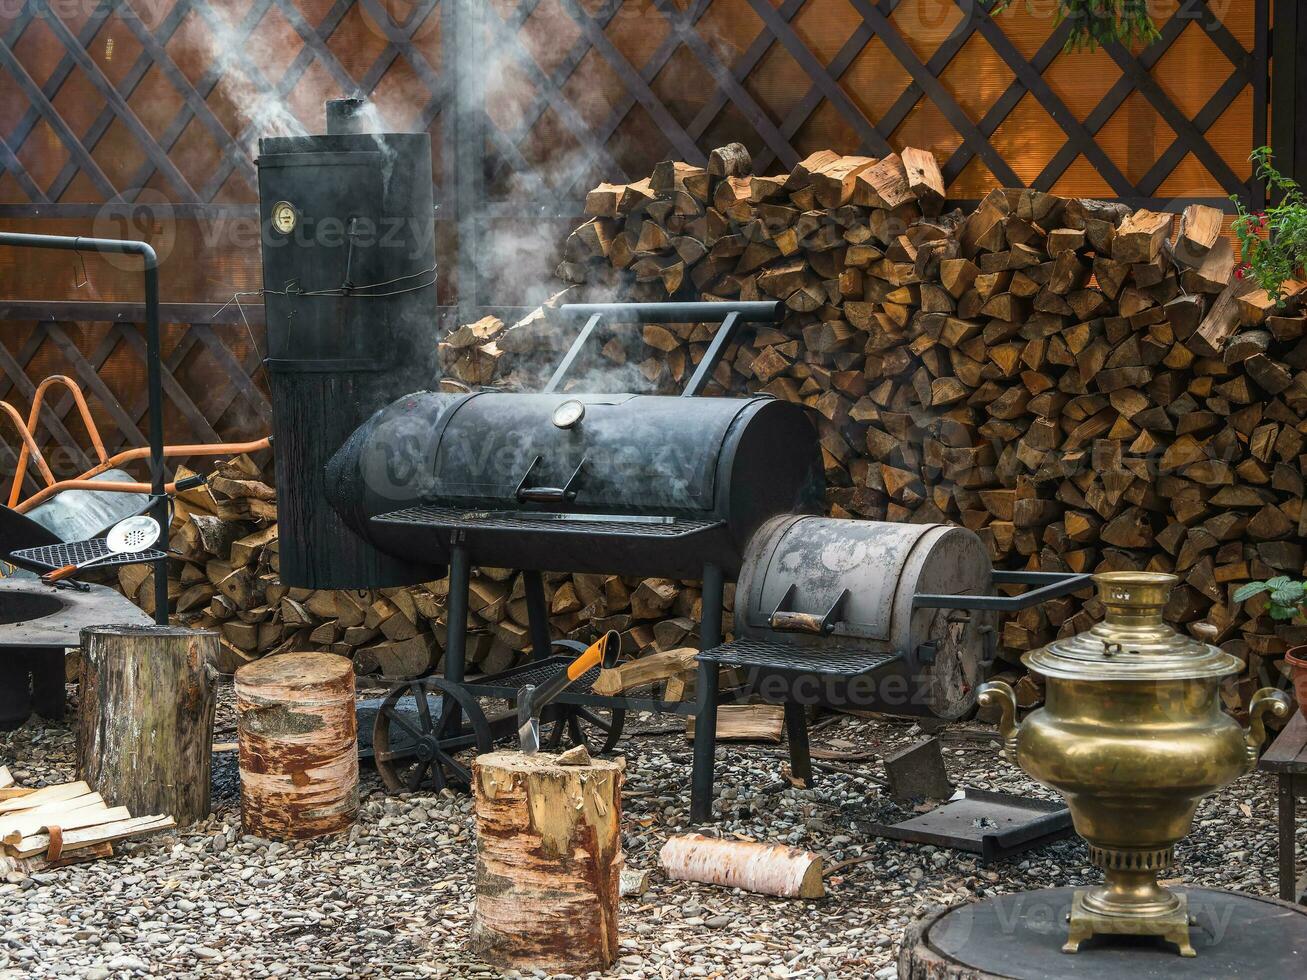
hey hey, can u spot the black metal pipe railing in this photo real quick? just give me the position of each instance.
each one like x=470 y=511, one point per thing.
x=765 y=311
x=153 y=371
x=729 y=314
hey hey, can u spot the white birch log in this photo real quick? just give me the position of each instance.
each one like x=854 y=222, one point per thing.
x=768 y=869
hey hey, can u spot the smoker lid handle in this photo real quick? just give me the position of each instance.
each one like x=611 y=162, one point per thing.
x=788 y=621
x=550 y=495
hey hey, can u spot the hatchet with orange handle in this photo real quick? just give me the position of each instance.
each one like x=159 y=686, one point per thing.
x=531 y=700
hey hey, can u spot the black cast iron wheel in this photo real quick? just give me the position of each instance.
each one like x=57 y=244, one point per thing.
x=434 y=749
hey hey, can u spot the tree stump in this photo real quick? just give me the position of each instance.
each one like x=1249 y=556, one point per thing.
x=549 y=862
x=145 y=718
x=298 y=736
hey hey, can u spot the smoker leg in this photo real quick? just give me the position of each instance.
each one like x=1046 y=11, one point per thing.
x=710 y=629
x=537 y=615
x=47 y=668
x=460 y=571
x=705 y=744
x=705 y=722
x=796 y=733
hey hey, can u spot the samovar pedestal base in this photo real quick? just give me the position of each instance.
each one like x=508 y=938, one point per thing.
x=1083 y=923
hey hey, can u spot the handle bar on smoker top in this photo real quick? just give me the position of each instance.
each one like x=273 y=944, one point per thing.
x=1048 y=585
x=729 y=315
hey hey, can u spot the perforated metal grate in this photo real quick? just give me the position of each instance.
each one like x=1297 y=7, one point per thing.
x=52 y=556
x=495 y=520
x=778 y=655
x=535 y=674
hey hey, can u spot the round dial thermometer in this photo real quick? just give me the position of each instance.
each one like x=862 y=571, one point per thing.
x=284 y=217
x=569 y=413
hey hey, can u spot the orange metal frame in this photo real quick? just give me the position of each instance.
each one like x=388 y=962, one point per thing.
x=32 y=452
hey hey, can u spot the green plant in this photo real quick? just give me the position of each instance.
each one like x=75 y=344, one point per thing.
x=1095 y=22
x=1274 y=241
x=1287 y=597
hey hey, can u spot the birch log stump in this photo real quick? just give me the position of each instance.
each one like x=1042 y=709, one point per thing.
x=549 y=860
x=145 y=719
x=299 y=757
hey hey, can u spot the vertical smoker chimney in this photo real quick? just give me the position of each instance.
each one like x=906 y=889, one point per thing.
x=350 y=303
x=347 y=117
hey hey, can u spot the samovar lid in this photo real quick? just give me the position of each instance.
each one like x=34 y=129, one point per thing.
x=1133 y=642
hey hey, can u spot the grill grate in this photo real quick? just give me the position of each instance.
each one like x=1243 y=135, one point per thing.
x=535 y=673
x=52 y=556
x=750 y=651
x=498 y=520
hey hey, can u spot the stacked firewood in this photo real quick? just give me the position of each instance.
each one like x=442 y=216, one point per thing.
x=224 y=576
x=52 y=826
x=1086 y=386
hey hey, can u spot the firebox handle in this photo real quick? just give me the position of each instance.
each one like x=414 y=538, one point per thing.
x=788 y=621
x=550 y=495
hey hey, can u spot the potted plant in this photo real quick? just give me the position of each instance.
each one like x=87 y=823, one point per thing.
x=1095 y=22
x=1286 y=601
x=1274 y=241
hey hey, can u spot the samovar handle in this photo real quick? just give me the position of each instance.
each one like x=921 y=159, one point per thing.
x=1268 y=699
x=1000 y=693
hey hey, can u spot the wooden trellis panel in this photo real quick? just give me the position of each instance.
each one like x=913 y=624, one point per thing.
x=213 y=386
x=141 y=117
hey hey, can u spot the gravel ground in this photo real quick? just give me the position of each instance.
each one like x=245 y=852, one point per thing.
x=394 y=899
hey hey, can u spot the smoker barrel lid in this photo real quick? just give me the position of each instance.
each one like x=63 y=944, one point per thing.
x=636 y=453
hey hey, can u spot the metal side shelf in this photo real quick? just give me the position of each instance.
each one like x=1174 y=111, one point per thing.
x=829 y=658
x=456 y=518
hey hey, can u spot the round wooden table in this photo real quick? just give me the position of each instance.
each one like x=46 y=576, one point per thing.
x=1020 y=936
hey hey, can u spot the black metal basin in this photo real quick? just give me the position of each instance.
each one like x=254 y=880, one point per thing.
x=37 y=624
x=23 y=607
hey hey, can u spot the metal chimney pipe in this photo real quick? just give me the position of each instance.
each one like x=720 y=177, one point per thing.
x=347 y=117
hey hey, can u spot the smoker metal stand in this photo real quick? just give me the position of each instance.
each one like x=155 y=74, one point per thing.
x=460 y=723
x=153 y=370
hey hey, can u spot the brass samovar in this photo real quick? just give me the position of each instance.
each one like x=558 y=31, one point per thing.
x=1133 y=735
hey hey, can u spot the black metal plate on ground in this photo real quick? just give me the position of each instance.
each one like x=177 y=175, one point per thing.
x=993 y=825
x=52 y=556
x=1021 y=936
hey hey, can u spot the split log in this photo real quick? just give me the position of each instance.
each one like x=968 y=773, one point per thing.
x=145 y=723
x=746 y=723
x=646 y=670
x=549 y=861
x=298 y=739
x=768 y=869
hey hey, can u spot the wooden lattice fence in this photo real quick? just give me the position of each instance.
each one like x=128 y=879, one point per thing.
x=141 y=118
